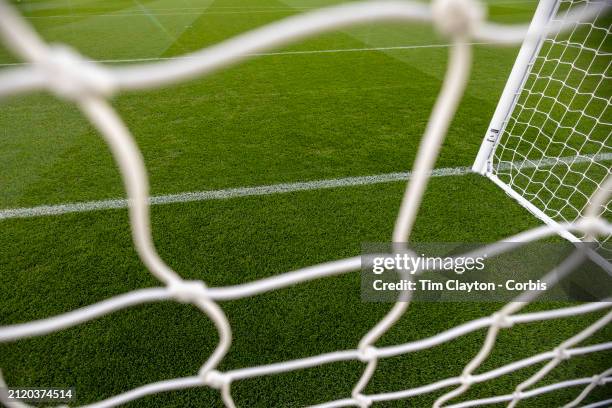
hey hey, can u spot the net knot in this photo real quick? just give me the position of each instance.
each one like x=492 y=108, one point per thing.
x=561 y=354
x=215 y=379
x=72 y=77
x=599 y=379
x=501 y=320
x=367 y=354
x=517 y=395
x=362 y=400
x=457 y=17
x=188 y=291
x=466 y=379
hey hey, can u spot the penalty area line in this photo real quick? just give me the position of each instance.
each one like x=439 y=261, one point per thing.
x=59 y=209
x=268 y=54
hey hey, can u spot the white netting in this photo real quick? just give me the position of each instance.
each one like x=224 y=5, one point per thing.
x=88 y=84
x=555 y=148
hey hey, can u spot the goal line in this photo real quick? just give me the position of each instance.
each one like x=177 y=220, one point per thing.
x=223 y=194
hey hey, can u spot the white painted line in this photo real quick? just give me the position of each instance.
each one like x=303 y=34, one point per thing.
x=398 y=47
x=46 y=210
x=176 y=11
x=25 y=7
x=86 y=15
x=222 y=194
x=264 y=54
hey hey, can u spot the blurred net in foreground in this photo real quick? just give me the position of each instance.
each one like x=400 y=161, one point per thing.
x=89 y=85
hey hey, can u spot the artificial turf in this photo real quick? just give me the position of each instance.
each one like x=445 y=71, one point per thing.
x=273 y=119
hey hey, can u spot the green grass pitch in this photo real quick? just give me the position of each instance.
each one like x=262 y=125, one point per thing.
x=274 y=119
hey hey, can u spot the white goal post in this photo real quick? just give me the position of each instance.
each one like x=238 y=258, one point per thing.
x=548 y=144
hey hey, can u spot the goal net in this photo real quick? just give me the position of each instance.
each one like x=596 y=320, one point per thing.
x=548 y=144
x=548 y=150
